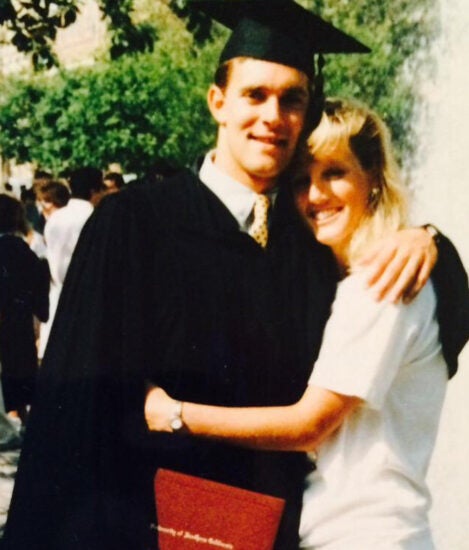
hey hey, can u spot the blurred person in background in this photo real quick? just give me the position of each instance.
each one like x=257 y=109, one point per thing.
x=113 y=182
x=66 y=223
x=160 y=170
x=24 y=289
x=69 y=221
x=51 y=197
x=33 y=214
x=35 y=221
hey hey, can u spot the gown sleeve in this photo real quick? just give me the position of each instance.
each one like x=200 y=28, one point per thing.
x=451 y=287
x=78 y=472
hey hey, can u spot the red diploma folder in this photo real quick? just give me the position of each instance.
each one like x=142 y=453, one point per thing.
x=198 y=514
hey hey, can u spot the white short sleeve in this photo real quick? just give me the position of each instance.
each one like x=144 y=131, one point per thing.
x=364 y=343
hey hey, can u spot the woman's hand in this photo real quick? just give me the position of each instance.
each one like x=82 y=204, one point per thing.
x=158 y=410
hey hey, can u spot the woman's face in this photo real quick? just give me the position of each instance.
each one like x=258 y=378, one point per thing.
x=334 y=199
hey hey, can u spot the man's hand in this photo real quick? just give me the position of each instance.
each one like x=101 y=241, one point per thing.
x=399 y=266
x=158 y=409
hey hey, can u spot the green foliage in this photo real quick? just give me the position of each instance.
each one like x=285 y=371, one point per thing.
x=137 y=109
x=34 y=27
x=197 y=23
x=126 y=35
x=399 y=33
x=133 y=111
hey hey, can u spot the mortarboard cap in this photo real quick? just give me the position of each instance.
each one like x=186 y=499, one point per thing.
x=280 y=31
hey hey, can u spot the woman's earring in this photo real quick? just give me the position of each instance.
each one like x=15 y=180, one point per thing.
x=373 y=197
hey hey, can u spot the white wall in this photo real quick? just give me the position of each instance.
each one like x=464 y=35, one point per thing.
x=442 y=193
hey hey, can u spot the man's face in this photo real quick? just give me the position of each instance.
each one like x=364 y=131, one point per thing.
x=260 y=115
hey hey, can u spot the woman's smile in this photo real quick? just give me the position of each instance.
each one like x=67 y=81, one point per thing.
x=323 y=215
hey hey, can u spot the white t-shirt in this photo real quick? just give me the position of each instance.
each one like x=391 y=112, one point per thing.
x=368 y=491
x=61 y=233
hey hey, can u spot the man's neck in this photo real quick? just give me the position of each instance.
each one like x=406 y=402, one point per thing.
x=255 y=183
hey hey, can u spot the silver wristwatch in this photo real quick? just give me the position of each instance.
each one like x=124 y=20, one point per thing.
x=176 y=422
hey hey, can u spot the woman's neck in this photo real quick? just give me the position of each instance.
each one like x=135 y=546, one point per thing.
x=342 y=259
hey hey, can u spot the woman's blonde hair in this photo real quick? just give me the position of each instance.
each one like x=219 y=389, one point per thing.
x=350 y=123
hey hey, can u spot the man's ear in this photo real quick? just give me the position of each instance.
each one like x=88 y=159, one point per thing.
x=216 y=103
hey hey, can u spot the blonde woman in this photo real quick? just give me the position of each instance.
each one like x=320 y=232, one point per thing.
x=370 y=413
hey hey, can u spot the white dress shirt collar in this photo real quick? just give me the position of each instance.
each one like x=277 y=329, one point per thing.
x=237 y=198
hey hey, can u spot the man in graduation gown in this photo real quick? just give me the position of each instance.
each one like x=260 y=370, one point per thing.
x=167 y=287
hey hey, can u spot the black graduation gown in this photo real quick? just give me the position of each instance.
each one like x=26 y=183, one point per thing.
x=451 y=286
x=24 y=290
x=163 y=287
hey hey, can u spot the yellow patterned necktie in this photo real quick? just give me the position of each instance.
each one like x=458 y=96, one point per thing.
x=259 y=229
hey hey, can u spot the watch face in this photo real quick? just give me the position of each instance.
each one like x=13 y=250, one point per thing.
x=176 y=424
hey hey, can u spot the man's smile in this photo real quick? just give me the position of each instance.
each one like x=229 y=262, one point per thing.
x=270 y=140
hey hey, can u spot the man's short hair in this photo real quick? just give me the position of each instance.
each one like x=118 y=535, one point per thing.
x=54 y=192
x=223 y=73
x=83 y=181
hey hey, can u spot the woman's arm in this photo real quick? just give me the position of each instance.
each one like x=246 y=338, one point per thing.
x=299 y=427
